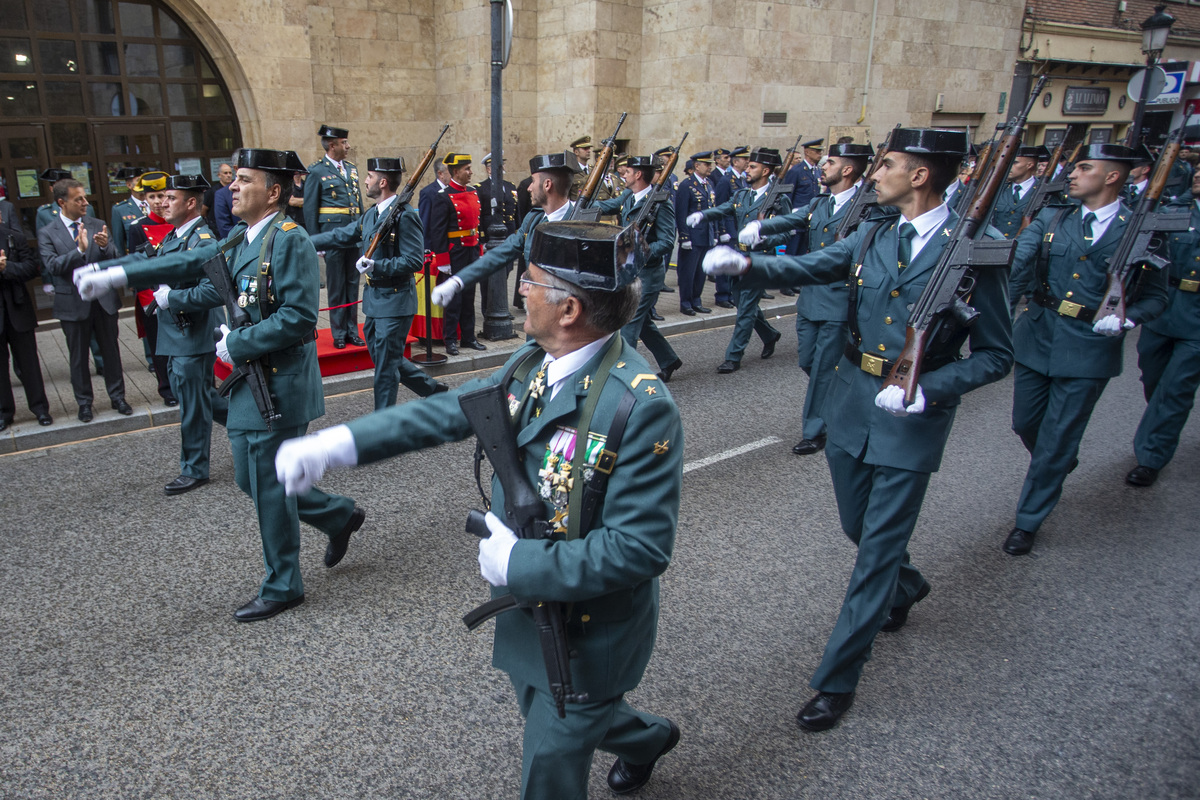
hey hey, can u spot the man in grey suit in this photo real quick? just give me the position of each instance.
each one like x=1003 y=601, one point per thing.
x=68 y=242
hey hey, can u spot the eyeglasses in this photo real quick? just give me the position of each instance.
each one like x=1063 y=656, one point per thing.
x=528 y=282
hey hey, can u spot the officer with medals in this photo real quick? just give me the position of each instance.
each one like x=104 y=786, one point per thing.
x=882 y=452
x=1013 y=198
x=580 y=288
x=142 y=237
x=1065 y=354
x=390 y=299
x=820 y=310
x=745 y=205
x=332 y=198
x=726 y=182
x=276 y=270
x=693 y=195
x=453 y=237
x=129 y=210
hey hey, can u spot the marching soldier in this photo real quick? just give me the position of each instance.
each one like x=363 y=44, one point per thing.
x=1139 y=177
x=1065 y=355
x=390 y=299
x=744 y=206
x=453 y=237
x=881 y=451
x=1012 y=200
x=694 y=194
x=275 y=269
x=1169 y=354
x=579 y=290
x=332 y=198
x=821 y=310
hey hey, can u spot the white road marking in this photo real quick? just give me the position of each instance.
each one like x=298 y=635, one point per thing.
x=736 y=451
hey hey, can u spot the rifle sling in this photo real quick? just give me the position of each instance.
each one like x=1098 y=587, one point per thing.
x=608 y=456
x=520 y=371
x=852 y=295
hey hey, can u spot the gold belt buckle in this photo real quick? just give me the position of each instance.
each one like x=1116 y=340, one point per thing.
x=1069 y=309
x=872 y=364
x=1189 y=285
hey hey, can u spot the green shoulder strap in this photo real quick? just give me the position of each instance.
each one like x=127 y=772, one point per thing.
x=604 y=371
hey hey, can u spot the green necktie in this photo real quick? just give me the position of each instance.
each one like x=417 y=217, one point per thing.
x=1088 y=219
x=904 y=248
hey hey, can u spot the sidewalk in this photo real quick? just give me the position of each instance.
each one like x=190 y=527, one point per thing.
x=141 y=386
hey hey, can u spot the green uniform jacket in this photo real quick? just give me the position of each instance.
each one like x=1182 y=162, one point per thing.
x=187 y=297
x=1065 y=347
x=742 y=207
x=325 y=188
x=1181 y=320
x=611 y=573
x=293 y=375
x=659 y=234
x=885 y=294
x=124 y=214
x=502 y=255
x=1007 y=215
x=401 y=254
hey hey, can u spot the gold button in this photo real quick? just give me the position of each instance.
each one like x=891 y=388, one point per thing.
x=586 y=618
x=1083 y=258
x=895 y=292
x=1075 y=276
x=882 y=348
x=887 y=320
x=860 y=281
x=274 y=369
x=1070 y=293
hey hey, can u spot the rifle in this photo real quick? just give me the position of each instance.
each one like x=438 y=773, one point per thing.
x=661 y=191
x=585 y=206
x=1047 y=188
x=487 y=412
x=953 y=279
x=866 y=198
x=778 y=187
x=251 y=372
x=1142 y=235
x=405 y=195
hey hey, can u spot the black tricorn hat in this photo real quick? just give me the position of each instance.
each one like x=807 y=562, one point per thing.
x=929 y=142
x=590 y=255
x=1142 y=155
x=270 y=160
x=188 y=183
x=385 y=164
x=330 y=132
x=767 y=156
x=553 y=161
x=54 y=175
x=129 y=173
x=850 y=150
x=1036 y=151
x=641 y=161
x=1108 y=152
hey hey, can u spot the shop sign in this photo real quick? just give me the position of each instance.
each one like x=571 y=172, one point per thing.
x=1085 y=101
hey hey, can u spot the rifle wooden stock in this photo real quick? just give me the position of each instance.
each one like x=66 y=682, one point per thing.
x=866 y=197
x=660 y=191
x=778 y=186
x=587 y=194
x=406 y=194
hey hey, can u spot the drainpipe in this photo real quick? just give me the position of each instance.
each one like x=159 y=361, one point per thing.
x=870 y=56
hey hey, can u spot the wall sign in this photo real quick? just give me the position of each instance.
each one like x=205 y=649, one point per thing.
x=1085 y=101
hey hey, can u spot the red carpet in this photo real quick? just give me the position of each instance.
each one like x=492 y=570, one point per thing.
x=332 y=360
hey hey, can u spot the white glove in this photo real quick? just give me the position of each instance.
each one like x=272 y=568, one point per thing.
x=495 y=550
x=93 y=284
x=723 y=238
x=723 y=260
x=300 y=463
x=81 y=271
x=48 y=288
x=1130 y=323
x=695 y=218
x=160 y=297
x=444 y=292
x=891 y=400
x=223 y=345
x=751 y=235
x=364 y=265
x=1108 y=326
x=686 y=244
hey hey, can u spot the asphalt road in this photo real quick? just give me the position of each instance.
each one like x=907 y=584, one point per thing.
x=1068 y=674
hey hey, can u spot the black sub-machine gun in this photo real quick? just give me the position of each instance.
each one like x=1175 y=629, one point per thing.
x=397 y=208
x=1143 y=235
x=953 y=279
x=866 y=199
x=487 y=412
x=585 y=206
x=251 y=372
x=661 y=192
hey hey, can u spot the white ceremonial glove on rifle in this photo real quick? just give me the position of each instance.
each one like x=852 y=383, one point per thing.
x=495 y=550
x=161 y=296
x=891 y=400
x=223 y=345
x=723 y=238
x=300 y=463
x=94 y=283
x=444 y=292
x=1111 y=325
x=724 y=260
x=364 y=265
x=751 y=235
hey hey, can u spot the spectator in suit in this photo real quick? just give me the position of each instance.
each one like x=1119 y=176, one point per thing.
x=18 y=318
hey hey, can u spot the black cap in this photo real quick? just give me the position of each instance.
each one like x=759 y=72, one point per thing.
x=330 y=132
x=1107 y=152
x=641 y=161
x=53 y=175
x=720 y=151
x=129 y=173
x=554 y=161
x=850 y=150
x=188 y=183
x=1143 y=155
x=929 y=142
x=270 y=160
x=590 y=255
x=767 y=156
x=1033 y=151
x=814 y=144
x=385 y=164
x=662 y=151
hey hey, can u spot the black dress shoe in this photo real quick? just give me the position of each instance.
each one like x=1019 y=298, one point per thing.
x=687 y=312
x=183 y=484
x=85 y=413
x=787 y=293
x=45 y=419
x=899 y=614
x=1019 y=542
x=1142 y=476
x=669 y=370
x=724 y=304
x=452 y=348
x=338 y=543
x=475 y=344
x=121 y=407
x=823 y=711
x=769 y=347
x=4 y=423
x=338 y=344
x=260 y=608
x=728 y=367
x=657 y=317
x=806 y=447
x=170 y=402
x=667 y=290
x=701 y=310
x=768 y=296
x=438 y=388
x=624 y=778
x=355 y=340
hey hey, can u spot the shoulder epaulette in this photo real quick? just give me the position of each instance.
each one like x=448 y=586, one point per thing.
x=204 y=235
x=287 y=226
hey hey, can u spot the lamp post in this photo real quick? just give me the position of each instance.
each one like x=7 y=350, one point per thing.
x=496 y=322
x=1154 y=38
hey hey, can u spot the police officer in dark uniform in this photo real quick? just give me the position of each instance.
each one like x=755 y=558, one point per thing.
x=694 y=194
x=18 y=319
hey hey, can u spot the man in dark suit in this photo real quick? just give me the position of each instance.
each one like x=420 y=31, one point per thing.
x=694 y=194
x=68 y=242
x=425 y=196
x=18 y=318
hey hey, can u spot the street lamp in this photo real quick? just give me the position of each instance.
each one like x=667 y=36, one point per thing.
x=1155 y=30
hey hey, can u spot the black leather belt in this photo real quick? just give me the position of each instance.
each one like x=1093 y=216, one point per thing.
x=1184 y=284
x=1064 y=307
x=386 y=282
x=311 y=336
x=880 y=366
